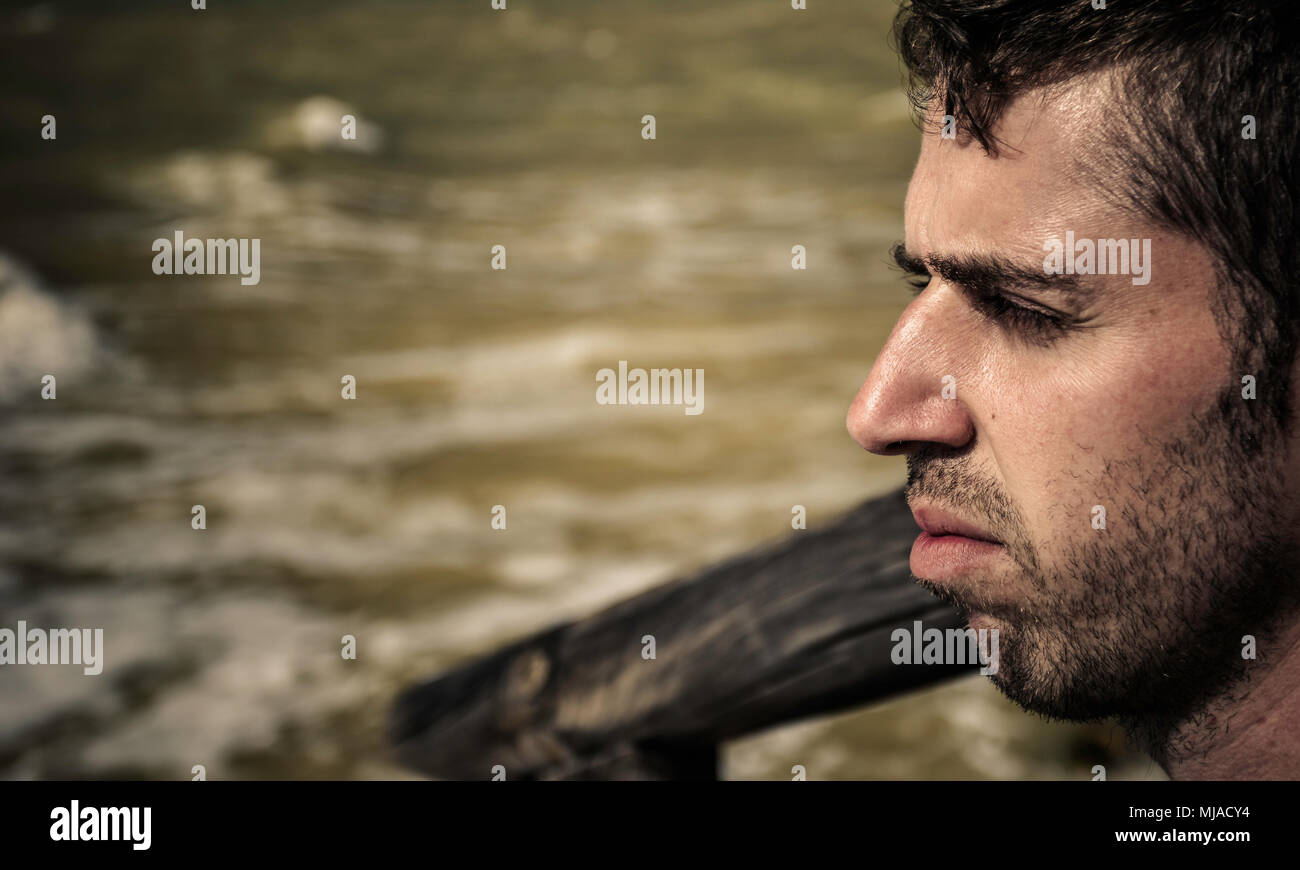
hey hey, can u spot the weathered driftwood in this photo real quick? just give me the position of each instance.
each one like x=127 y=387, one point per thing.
x=789 y=631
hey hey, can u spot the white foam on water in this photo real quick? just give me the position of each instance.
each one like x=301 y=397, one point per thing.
x=263 y=654
x=40 y=335
x=238 y=183
x=316 y=124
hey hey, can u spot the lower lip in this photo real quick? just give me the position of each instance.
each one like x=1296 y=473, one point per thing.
x=940 y=557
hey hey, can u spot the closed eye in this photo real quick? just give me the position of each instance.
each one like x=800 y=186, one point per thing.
x=1035 y=323
x=1032 y=322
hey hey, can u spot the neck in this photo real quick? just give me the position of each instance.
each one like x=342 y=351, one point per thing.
x=1249 y=731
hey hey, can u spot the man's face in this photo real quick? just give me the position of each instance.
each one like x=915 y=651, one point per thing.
x=1105 y=395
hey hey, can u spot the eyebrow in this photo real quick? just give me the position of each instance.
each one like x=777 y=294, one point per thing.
x=985 y=274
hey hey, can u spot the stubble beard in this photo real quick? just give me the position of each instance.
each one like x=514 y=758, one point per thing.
x=1145 y=618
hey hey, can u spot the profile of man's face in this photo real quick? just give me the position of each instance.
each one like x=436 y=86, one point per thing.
x=1068 y=399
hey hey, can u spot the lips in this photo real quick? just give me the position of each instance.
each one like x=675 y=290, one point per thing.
x=950 y=548
x=937 y=524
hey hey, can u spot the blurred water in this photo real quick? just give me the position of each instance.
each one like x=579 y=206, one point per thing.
x=475 y=388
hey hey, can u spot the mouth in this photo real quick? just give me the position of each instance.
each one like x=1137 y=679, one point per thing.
x=950 y=547
x=940 y=524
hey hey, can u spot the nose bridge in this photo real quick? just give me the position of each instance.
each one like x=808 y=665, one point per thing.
x=908 y=396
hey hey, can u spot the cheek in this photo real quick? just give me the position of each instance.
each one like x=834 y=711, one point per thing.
x=1071 y=428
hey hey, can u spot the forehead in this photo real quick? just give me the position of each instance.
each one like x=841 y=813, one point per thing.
x=961 y=199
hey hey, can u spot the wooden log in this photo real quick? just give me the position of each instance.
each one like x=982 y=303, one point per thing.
x=789 y=631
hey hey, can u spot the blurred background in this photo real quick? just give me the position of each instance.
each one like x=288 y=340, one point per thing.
x=474 y=387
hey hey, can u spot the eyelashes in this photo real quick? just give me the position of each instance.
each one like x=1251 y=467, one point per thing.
x=1038 y=325
x=1030 y=322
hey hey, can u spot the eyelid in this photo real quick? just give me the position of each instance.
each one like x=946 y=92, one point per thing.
x=1031 y=320
x=1012 y=311
x=1041 y=326
x=1029 y=304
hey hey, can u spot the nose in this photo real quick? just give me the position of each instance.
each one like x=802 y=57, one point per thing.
x=913 y=395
